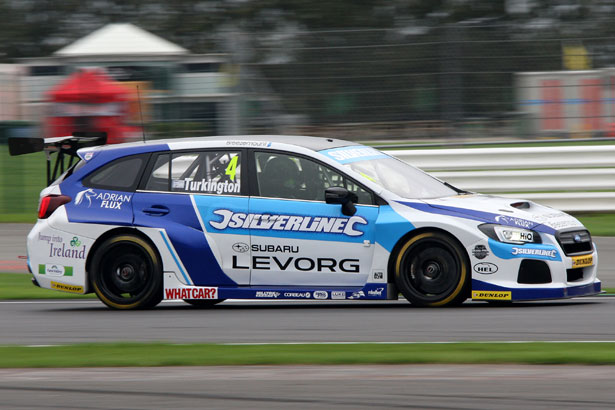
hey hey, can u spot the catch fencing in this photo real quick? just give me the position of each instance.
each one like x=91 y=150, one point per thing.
x=570 y=178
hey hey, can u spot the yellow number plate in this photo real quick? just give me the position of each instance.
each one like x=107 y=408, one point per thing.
x=582 y=261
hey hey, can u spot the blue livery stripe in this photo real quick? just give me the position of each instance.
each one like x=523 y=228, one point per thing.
x=288 y=219
x=372 y=291
x=527 y=251
x=173 y=254
x=480 y=216
x=391 y=226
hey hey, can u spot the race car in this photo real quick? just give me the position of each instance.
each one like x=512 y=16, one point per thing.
x=285 y=217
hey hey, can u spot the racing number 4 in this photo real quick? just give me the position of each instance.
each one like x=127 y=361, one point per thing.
x=232 y=168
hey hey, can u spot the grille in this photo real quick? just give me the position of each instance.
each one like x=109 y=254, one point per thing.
x=575 y=242
x=532 y=271
x=573 y=275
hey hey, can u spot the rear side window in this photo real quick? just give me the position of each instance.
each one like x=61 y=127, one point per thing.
x=198 y=172
x=119 y=175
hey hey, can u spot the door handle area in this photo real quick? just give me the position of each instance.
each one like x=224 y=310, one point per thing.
x=156 y=210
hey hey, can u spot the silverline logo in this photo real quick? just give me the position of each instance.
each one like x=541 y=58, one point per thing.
x=294 y=223
x=550 y=253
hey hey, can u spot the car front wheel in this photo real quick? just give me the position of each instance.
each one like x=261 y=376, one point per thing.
x=126 y=273
x=431 y=269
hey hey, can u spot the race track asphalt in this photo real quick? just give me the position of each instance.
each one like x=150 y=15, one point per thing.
x=312 y=387
x=321 y=387
x=59 y=322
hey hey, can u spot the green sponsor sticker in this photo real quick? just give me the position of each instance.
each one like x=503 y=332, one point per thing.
x=68 y=270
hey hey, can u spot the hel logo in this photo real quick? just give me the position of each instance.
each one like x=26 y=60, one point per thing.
x=491 y=295
x=191 y=293
x=485 y=268
x=582 y=261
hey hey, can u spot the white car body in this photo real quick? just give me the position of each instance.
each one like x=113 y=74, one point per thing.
x=219 y=240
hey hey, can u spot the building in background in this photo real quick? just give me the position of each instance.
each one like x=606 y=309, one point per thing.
x=10 y=90
x=181 y=93
x=568 y=103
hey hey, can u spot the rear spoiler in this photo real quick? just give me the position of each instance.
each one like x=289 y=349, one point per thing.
x=63 y=146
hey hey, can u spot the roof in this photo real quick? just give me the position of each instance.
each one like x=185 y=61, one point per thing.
x=120 y=39
x=92 y=86
x=312 y=143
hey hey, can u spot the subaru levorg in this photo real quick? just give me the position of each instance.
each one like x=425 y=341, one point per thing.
x=284 y=217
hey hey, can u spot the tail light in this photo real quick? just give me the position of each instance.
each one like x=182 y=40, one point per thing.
x=50 y=203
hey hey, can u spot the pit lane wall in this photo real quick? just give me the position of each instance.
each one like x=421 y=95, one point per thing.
x=569 y=178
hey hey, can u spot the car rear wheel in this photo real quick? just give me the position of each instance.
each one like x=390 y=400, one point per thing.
x=126 y=273
x=431 y=269
x=202 y=303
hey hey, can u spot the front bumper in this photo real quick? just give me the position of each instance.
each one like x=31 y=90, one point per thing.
x=486 y=291
x=532 y=272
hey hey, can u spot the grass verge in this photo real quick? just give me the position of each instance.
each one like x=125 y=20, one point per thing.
x=159 y=354
x=21 y=180
x=598 y=224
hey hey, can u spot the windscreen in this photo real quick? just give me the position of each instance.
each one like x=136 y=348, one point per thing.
x=390 y=173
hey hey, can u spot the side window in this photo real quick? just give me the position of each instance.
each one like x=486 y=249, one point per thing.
x=206 y=172
x=286 y=176
x=119 y=175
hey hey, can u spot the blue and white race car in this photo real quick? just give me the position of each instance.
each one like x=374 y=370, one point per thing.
x=280 y=217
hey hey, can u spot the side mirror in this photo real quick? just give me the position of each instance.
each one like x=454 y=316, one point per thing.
x=342 y=196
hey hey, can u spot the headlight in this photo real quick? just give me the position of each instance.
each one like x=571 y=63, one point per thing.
x=510 y=234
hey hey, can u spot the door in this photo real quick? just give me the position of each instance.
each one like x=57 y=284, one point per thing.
x=184 y=194
x=299 y=239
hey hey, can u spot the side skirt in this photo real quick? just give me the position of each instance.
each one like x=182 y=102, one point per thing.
x=174 y=289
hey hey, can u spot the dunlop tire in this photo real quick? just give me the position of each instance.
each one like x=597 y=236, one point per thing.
x=436 y=249
x=125 y=251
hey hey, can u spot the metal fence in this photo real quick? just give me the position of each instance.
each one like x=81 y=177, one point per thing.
x=460 y=80
x=569 y=178
x=419 y=81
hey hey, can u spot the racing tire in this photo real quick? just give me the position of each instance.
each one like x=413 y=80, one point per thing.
x=203 y=303
x=431 y=269
x=126 y=273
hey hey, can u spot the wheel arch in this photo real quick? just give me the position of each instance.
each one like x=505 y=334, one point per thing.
x=411 y=234
x=110 y=233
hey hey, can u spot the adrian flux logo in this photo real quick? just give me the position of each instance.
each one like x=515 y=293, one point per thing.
x=87 y=194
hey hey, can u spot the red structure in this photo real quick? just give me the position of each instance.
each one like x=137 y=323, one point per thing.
x=89 y=101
